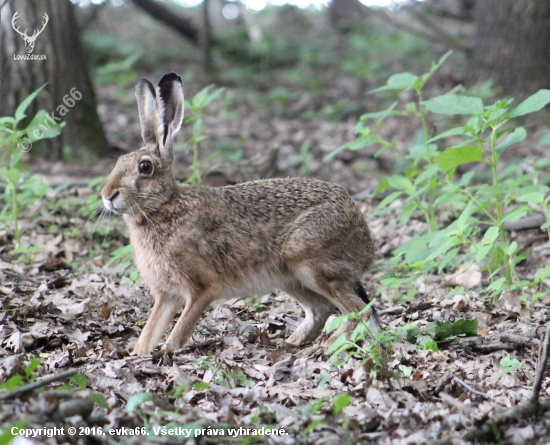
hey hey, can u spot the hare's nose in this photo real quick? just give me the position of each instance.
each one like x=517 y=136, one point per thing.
x=113 y=196
x=109 y=202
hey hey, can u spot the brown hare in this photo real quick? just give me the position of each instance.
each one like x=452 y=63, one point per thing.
x=195 y=245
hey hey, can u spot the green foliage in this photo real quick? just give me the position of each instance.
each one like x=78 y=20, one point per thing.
x=80 y=380
x=510 y=365
x=17 y=380
x=428 y=336
x=427 y=183
x=340 y=402
x=196 y=108
x=6 y=436
x=135 y=401
x=370 y=345
x=21 y=188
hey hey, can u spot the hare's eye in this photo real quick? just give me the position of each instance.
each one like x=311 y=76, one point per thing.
x=145 y=167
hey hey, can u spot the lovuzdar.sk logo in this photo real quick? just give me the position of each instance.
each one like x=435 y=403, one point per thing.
x=29 y=40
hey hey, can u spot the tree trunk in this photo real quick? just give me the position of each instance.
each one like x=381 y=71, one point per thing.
x=512 y=45
x=64 y=69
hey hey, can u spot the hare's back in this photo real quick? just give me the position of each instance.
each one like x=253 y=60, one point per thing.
x=304 y=217
x=284 y=199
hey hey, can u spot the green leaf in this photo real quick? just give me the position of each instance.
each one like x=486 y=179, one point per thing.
x=452 y=157
x=381 y=114
x=6 y=435
x=31 y=367
x=340 y=402
x=407 y=212
x=44 y=128
x=452 y=132
x=335 y=324
x=100 y=400
x=13 y=382
x=400 y=182
x=446 y=330
x=7 y=120
x=80 y=380
x=454 y=104
x=399 y=81
x=449 y=256
x=542 y=274
x=199 y=386
x=431 y=345
x=136 y=400
x=492 y=234
x=533 y=103
x=516 y=213
x=336 y=344
x=20 y=111
x=532 y=198
x=517 y=136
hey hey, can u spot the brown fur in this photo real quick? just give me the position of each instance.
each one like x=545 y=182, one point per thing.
x=194 y=245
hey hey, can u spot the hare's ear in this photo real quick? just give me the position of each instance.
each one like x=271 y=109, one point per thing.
x=147 y=104
x=169 y=112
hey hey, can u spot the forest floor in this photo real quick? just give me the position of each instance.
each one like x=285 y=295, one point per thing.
x=66 y=306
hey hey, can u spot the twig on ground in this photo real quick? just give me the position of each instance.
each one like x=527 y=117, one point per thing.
x=392 y=311
x=38 y=384
x=487 y=341
x=521 y=411
x=471 y=389
x=202 y=344
x=542 y=367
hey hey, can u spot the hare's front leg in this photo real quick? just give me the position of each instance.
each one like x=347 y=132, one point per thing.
x=165 y=308
x=195 y=305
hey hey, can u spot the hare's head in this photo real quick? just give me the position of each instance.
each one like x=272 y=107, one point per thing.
x=143 y=180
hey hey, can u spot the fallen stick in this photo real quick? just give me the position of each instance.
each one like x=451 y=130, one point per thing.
x=487 y=340
x=471 y=389
x=38 y=384
x=542 y=367
x=522 y=410
x=392 y=311
x=533 y=221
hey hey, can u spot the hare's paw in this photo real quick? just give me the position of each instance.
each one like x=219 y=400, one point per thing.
x=141 y=349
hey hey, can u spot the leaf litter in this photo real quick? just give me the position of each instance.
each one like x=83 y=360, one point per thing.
x=72 y=310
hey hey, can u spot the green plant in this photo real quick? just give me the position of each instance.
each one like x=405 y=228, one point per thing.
x=426 y=182
x=429 y=335
x=18 y=380
x=21 y=187
x=196 y=106
x=371 y=346
x=510 y=365
x=304 y=158
x=125 y=256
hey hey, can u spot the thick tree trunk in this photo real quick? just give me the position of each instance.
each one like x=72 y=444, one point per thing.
x=512 y=45
x=64 y=69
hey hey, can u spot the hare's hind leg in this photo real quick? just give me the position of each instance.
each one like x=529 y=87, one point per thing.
x=317 y=310
x=164 y=310
x=347 y=295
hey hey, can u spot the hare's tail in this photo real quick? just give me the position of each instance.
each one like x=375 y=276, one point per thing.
x=361 y=293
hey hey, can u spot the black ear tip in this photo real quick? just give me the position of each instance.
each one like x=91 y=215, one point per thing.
x=144 y=82
x=170 y=77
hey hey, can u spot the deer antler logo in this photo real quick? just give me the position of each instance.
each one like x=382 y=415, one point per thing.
x=29 y=40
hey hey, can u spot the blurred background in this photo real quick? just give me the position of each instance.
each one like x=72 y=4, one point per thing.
x=296 y=75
